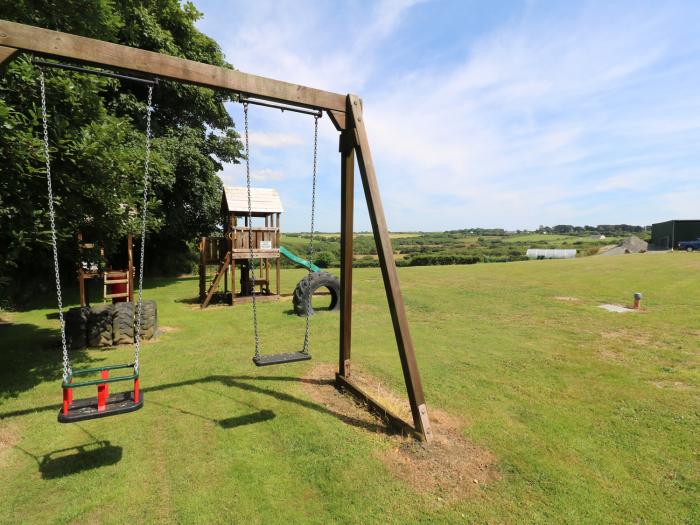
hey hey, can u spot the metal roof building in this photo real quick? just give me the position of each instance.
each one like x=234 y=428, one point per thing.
x=667 y=235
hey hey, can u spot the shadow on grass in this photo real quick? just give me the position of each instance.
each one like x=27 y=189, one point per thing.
x=73 y=460
x=82 y=458
x=247 y=419
x=317 y=310
x=231 y=422
x=217 y=298
x=245 y=383
x=30 y=355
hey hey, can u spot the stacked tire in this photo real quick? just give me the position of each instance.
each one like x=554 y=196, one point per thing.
x=109 y=324
x=99 y=327
x=123 y=323
x=76 y=320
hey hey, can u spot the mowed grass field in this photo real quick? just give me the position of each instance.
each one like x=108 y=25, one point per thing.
x=591 y=416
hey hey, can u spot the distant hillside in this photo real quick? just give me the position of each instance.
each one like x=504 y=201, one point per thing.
x=453 y=247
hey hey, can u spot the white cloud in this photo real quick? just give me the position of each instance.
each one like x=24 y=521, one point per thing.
x=234 y=175
x=266 y=174
x=523 y=125
x=275 y=140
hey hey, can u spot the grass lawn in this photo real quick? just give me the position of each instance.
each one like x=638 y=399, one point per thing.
x=591 y=416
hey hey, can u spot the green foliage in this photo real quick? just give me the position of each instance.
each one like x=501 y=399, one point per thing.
x=96 y=132
x=450 y=247
x=437 y=260
x=325 y=260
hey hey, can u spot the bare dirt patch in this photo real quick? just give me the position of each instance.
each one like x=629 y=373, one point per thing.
x=168 y=329
x=671 y=385
x=638 y=338
x=567 y=299
x=451 y=467
x=617 y=308
x=9 y=437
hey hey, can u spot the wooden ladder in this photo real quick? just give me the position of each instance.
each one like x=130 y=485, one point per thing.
x=115 y=278
x=215 y=284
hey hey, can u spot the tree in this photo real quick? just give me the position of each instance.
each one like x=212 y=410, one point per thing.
x=324 y=259
x=97 y=138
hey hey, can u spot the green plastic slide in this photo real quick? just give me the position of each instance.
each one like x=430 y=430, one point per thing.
x=298 y=260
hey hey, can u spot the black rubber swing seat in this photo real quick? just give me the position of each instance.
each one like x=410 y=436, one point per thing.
x=280 y=359
x=115 y=404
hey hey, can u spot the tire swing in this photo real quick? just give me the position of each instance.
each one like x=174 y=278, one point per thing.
x=104 y=404
x=288 y=357
x=307 y=287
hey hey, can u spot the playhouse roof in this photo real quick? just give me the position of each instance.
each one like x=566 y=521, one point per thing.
x=262 y=200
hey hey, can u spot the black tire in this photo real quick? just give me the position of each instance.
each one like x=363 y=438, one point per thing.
x=149 y=320
x=308 y=285
x=123 y=323
x=76 y=320
x=100 y=325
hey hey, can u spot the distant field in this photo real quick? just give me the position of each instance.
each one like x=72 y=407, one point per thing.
x=397 y=235
x=583 y=416
x=440 y=248
x=559 y=239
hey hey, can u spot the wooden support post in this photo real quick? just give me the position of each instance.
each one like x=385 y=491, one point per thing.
x=81 y=285
x=278 y=273
x=81 y=277
x=202 y=270
x=233 y=281
x=277 y=245
x=130 y=254
x=411 y=374
x=6 y=56
x=347 y=199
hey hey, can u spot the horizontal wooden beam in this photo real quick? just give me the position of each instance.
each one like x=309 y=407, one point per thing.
x=376 y=406
x=97 y=52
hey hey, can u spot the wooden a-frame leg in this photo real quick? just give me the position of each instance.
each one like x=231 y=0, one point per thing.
x=386 y=260
x=347 y=195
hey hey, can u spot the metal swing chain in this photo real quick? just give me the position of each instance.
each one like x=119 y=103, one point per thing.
x=251 y=267
x=52 y=219
x=305 y=349
x=146 y=166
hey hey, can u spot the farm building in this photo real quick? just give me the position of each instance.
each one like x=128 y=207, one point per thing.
x=667 y=235
x=536 y=253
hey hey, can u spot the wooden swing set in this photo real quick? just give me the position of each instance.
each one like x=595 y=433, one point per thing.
x=345 y=112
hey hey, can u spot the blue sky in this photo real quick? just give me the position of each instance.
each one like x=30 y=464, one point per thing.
x=504 y=114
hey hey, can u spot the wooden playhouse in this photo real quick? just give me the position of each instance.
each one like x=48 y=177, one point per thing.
x=231 y=252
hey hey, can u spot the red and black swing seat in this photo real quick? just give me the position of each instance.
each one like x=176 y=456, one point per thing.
x=104 y=404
